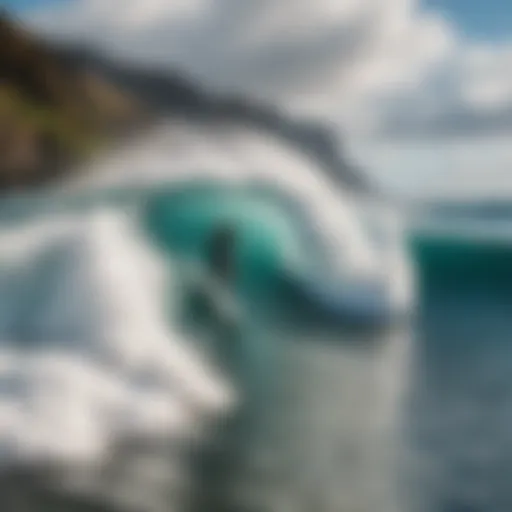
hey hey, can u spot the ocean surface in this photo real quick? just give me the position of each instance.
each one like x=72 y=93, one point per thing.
x=358 y=362
x=462 y=391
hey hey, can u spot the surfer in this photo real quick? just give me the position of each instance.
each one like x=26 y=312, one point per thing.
x=212 y=300
x=220 y=254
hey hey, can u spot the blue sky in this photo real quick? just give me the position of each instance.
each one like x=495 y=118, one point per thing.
x=477 y=19
x=23 y=5
x=489 y=20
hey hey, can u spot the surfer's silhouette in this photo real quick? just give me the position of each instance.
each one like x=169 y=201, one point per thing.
x=212 y=301
x=221 y=254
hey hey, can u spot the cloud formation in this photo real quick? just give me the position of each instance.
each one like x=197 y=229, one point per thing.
x=470 y=94
x=376 y=65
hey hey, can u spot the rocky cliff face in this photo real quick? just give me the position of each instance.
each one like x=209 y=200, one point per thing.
x=170 y=93
x=51 y=114
x=59 y=103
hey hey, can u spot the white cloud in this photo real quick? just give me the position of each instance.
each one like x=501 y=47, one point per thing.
x=381 y=68
x=486 y=80
x=383 y=64
x=322 y=55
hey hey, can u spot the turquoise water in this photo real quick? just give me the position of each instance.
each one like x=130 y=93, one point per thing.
x=464 y=261
x=272 y=241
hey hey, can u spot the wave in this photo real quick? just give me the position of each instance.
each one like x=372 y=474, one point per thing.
x=362 y=240
x=103 y=374
x=472 y=250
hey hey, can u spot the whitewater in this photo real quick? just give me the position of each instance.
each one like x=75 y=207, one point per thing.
x=112 y=390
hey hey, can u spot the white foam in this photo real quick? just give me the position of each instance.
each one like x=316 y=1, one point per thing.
x=87 y=356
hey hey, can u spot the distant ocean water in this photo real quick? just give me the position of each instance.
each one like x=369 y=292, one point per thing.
x=462 y=391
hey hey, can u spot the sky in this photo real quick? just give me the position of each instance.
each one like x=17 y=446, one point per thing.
x=478 y=19
x=405 y=80
x=22 y=6
x=487 y=20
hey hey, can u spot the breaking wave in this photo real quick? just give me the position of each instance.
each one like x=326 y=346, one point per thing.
x=107 y=378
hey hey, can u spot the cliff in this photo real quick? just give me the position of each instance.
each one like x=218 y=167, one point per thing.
x=168 y=93
x=51 y=114
x=58 y=104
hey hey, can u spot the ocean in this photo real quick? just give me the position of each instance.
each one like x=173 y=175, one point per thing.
x=355 y=362
x=461 y=399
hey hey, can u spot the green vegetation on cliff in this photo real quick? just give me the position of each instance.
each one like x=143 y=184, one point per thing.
x=51 y=115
